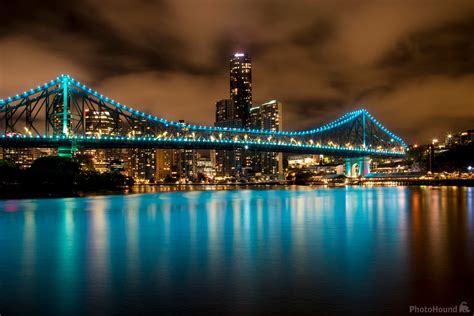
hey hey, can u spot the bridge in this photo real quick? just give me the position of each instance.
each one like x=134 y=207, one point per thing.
x=68 y=115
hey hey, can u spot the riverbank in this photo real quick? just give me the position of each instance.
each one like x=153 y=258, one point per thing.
x=418 y=182
x=172 y=187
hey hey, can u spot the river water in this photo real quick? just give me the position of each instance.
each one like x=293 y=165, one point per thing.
x=301 y=250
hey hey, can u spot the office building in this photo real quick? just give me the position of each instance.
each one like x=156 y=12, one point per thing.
x=98 y=124
x=205 y=168
x=228 y=162
x=241 y=87
x=24 y=157
x=187 y=163
x=266 y=116
x=225 y=111
x=141 y=162
x=461 y=138
x=164 y=163
x=304 y=161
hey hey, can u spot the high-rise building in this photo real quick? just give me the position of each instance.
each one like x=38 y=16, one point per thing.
x=98 y=124
x=184 y=161
x=241 y=87
x=141 y=162
x=164 y=163
x=228 y=162
x=224 y=110
x=267 y=116
x=187 y=164
x=205 y=168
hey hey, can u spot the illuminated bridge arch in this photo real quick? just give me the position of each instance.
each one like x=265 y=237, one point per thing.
x=56 y=113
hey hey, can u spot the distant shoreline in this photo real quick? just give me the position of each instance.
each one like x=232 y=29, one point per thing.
x=232 y=186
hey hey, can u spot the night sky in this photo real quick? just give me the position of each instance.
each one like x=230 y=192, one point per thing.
x=410 y=63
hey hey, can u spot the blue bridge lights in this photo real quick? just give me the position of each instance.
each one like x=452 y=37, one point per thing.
x=355 y=133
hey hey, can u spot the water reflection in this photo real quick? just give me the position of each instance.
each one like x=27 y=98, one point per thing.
x=29 y=249
x=250 y=251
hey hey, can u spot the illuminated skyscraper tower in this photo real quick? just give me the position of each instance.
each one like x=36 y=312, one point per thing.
x=267 y=116
x=241 y=87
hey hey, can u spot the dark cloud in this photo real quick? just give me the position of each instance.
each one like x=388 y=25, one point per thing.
x=447 y=49
x=411 y=63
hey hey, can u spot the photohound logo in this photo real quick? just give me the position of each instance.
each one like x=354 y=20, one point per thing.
x=461 y=308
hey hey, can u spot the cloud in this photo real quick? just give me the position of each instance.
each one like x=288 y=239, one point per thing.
x=26 y=63
x=171 y=95
x=428 y=107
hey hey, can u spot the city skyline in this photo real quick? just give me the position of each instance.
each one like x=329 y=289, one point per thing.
x=415 y=71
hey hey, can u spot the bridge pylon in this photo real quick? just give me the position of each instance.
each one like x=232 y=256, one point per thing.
x=357 y=167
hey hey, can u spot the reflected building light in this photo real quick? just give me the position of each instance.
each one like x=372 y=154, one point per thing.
x=10 y=206
x=28 y=263
x=259 y=206
x=98 y=245
x=68 y=263
x=214 y=237
x=132 y=217
x=151 y=211
x=470 y=209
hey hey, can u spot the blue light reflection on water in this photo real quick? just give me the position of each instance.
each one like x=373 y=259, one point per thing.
x=346 y=250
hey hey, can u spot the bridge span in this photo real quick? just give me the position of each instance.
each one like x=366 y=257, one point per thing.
x=55 y=114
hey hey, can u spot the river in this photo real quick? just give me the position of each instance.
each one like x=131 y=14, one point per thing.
x=299 y=250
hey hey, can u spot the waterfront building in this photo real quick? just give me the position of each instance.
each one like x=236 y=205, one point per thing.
x=303 y=161
x=98 y=124
x=227 y=162
x=164 y=163
x=235 y=112
x=24 y=157
x=266 y=116
x=141 y=165
x=187 y=163
x=461 y=138
x=141 y=162
x=183 y=161
x=205 y=168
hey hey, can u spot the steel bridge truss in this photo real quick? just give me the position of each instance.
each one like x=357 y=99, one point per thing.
x=64 y=111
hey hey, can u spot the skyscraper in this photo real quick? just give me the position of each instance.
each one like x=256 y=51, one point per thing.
x=185 y=161
x=267 y=116
x=98 y=124
x=241 y=87
x=235 y=112
x=228 y=162
x=224 y=110
x=164 y=162
x=141 y=162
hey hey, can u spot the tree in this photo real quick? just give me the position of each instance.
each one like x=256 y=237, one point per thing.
x=53 y=174
x=9 y=172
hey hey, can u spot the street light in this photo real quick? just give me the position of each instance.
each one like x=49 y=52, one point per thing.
x=431 y=149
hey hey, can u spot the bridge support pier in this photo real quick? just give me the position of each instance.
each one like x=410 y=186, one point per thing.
x=357 y=167
x=67 y=149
